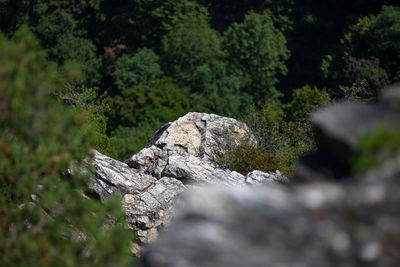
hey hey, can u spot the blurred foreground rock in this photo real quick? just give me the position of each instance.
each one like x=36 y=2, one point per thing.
x=316 y=225
x=337 y=129
x=179 y=156
x=316 y=222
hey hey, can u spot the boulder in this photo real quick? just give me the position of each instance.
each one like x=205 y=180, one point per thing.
x=180 y=155
x=199 y=135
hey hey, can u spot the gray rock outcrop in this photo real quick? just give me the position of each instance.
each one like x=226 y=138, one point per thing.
x=317 y=221
x=179 y=156
x=187 y=149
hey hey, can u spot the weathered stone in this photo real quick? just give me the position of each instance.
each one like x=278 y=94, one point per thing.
x=195 y=134
x=195 y=170
x=151 y=208
x=115 y=176
x=259 y=177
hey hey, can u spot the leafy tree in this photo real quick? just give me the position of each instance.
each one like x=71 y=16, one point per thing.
x=226 y=12
x=87 y=100
x=215 y=90
x=140 y=68
x=138 y=23
x=304 y=100
x=174 y=12
x=383 y=29
x=62 y=28
x=361 y=65
x=139 y=111
x=45 y=218
x=256 y=52
x=161 y=100
x=189 y=45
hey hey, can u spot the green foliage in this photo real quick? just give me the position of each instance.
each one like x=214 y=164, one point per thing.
x=284 y=140
x=139 y=23
x=247 y=157
x=189 y=45
x=361 y=64
x=61 y=28
x=45 y=218
x=358 y=91
x=138 y=69
x=375 y=148
x=304 y=100
x=382 y=29
x=282 y=11
x=80 y=50
x=214 y=90
x=256 y=53
x=87 y=100
x=174 y=12
x=161 y=100
x=283 y=133
x=126 y=141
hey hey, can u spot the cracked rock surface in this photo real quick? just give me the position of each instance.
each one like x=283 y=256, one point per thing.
x=113 y=175
x=180 y=155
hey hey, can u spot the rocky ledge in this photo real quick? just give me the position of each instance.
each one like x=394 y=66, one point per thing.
x=324 y=217
x=179 y=156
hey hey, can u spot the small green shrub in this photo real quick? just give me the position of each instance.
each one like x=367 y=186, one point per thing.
x=245 y=156
x=277 y=144
x=282 y=133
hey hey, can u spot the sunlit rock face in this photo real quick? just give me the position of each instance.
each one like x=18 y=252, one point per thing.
x=179 y=156
x=187 y=148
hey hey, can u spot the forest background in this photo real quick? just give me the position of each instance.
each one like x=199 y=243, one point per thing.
x=106 y=74
x=148 y=62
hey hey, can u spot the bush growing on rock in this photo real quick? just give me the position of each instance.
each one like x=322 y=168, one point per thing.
x=283 y=134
